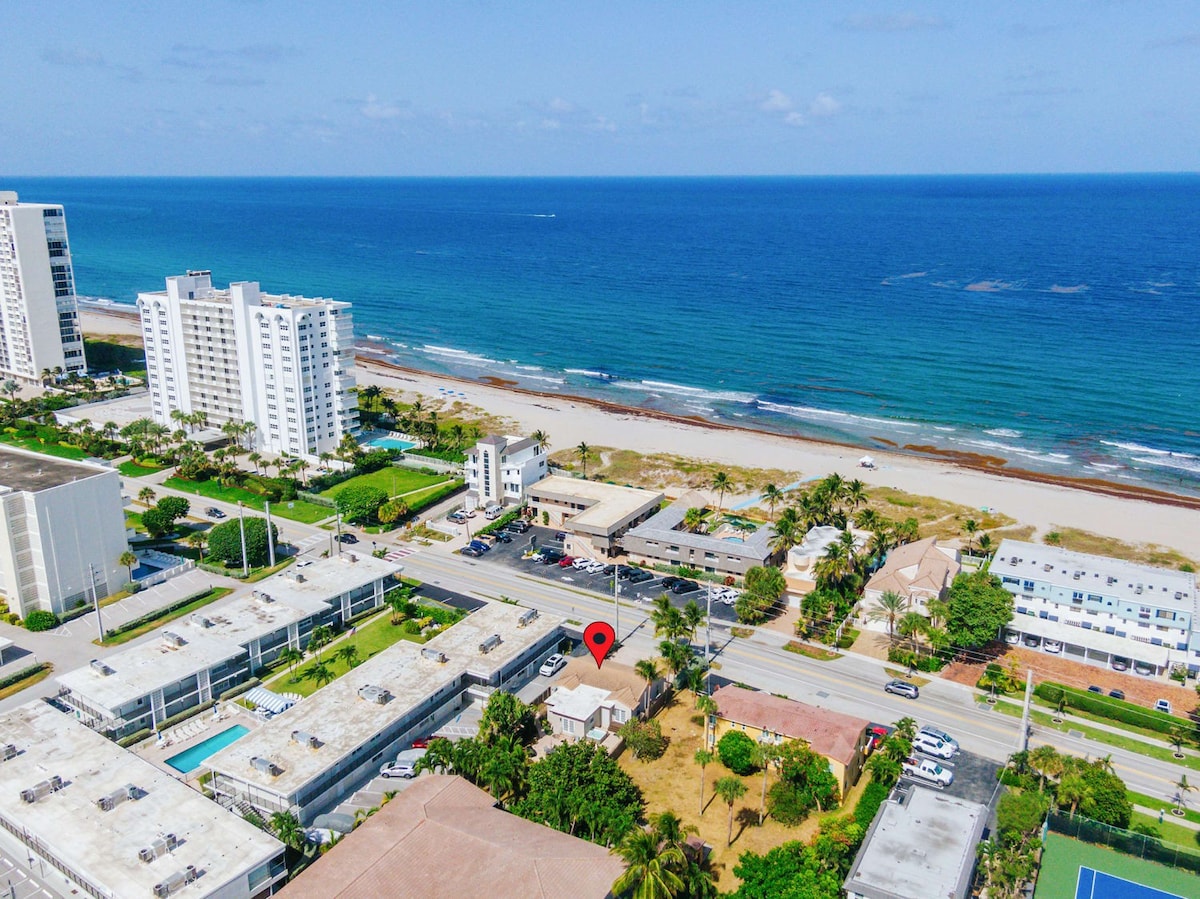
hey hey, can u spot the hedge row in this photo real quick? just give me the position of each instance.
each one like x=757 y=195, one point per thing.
x=1108 y=707
x=136 y=737
x=873 y=796
x=23 y=673
x=435 y=497
x=502 y=522
x=155 y=615
x=185 y=715
x=240 y=689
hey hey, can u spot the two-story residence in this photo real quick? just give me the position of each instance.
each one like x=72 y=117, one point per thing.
x=500 y=469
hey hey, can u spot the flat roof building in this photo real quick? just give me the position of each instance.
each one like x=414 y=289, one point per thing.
x=365 y=717
x=921 y=844
x=197 y=659
x=113 y=825
x=39 y=315
x=729 y=550
x=62 y=529
x=1098 y=608
x=595 y=515
x=587 y=698
x=444 y=837
x=285 y=363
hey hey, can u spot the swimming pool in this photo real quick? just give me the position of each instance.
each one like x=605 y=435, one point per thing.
x=391 y=443
x=189 y=760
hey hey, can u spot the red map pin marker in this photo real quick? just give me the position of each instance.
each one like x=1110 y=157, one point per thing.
x=599 y=637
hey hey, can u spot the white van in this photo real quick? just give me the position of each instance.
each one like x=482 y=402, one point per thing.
x=493 y=512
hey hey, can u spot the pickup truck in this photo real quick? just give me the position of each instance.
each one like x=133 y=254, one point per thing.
x=927 y=769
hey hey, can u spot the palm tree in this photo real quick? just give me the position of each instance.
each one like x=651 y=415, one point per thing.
x=970 y=528
x=197 y=540
x=788 y=530
x=702 y=758
x=648 y=671
x=764 y=755
x=906 y=728
x=668 y=621
x=650 y=871
x=541 y=438
x=1074 y=791
x=773 y=496
x=254 y=459
x=1046 y=761
x=288 y=829
x=128 y=559
x=348 y=654
x=693 y=518
x=693 y=616
x=319 y=638
x=730 y=789
x=889 y=607
x=677 y=657
x=855 y=493
x=985 y=544
x=706 y=706
x=721 y=483
x=291 y=656
x=583 y=451
x=146 y=495
x=1182 y=788
x=913 y=625
x=319 y=673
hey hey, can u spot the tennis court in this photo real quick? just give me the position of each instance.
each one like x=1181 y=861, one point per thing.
x=1095 y=884
x=1073 y=869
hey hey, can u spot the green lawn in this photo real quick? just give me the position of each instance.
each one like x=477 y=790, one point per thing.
x=47 y=449
x=371 y=638
x=1063 y=857
x=396 y=481
x=132 y=469
x=296 y=510
x=1168 y=830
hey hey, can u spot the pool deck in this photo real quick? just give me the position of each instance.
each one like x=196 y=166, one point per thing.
x=192 y=733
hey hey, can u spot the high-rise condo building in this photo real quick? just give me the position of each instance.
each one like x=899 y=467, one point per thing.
x=39 y=318
x=284 y=363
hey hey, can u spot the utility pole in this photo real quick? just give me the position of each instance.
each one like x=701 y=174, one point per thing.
x=242 y=528
x=95 y=598
x=339 y=532
x=1023 y=742
x=616 y=602
x=270 y=539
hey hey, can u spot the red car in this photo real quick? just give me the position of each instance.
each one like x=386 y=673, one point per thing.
x=876 y=734
x=422 y=743
x=566 y=561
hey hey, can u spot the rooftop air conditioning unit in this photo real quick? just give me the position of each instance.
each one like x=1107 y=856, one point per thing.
x=372 y=693
x=1047 y=567
x=175 y=882
x=201 y=621
x=489 y=644
x=266 y=766
x=435 y=655
x=101 y=668
x=41 y=789
x=173 y=639
x=115 y=798
x=1139 y=589
x=7 y=751
x=265 y=597
x=298 y=577
x=527 y=617
x=305 y=739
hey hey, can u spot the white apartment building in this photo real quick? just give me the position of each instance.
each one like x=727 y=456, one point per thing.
x=39 y=317
x=500 y=469
x=62 y=530
x=285 y=363
x=1102 y=610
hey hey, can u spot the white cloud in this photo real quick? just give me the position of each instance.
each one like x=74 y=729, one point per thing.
x=794 y=119
x=375 y=108
x=823 y=106
x=777 y=101
x=558 y=104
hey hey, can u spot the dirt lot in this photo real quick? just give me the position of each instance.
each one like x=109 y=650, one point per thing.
x=1139 y=690
x=673 y=783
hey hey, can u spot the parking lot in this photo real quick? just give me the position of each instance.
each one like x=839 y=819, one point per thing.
x=647 y=591
x=974 y=777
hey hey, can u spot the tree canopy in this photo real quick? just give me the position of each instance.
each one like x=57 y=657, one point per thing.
x=736 y=751
x=978 y=608
x=504 y=715
x=360 y=503
x=225 y=541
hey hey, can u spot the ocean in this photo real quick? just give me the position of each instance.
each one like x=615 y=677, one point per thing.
x=1046 y=320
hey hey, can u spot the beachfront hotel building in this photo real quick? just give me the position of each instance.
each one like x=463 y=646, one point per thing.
x=1100 y=610
x=311 y=757
x=97 y=820
x=39 y=316
x=285 y=363
x=500 y=470
x=62 y=530
x=219 y=648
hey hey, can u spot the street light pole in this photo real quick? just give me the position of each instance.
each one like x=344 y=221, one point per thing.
x=95 y=598
x=242 y=528
x=616 y=602
x=270 y=540
x=708 y=641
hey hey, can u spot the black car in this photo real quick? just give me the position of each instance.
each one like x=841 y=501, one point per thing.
x=902 y=688
x=214 y=512
x=625 y=572
x=640 y=577
x=551 y=557
x=502 y=537
x=670 y=581
x=608 y=570
x=518 y=526
x=1117 y=694
x=347 y=538
x=685 y=586
x=1094 y=689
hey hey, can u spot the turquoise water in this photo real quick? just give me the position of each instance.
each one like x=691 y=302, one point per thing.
x=1045 y=320
x=189 y=760
x=391 y=443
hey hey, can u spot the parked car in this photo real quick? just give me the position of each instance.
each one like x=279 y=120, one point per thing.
x=1012 y=637
x=595 y=567
x=1033 y=642
x=214 y=512
x=927 y=769
x=519 y=525
x=1052 y=646
x=876 y=734
x=1162 y=705
x=348 y=538
x=553 y=665
x=1119 y=663
x=1145 y=669
x=473 y=551
x=1117 y=694
x=930 y=731
x=685 y=586
x=566 y=561
x=1094 y=689
x=399 y=769
x=421 y=743
x=933 y=746
x=503 y=537
x=902 y=688
x=624 y=572
x=670 y=581
x=640 y=577
x=456 y=517
x=560 y=536
x=581 y=563
x=479 y=545
x=551 y=557
x=608 y=570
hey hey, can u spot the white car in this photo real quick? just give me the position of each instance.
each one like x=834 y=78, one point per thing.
x=931 y=731
x=933 y=746
x=580 y=563
x=1052 y=646
x=927 y=769
x=595 y=567
x=553 y=665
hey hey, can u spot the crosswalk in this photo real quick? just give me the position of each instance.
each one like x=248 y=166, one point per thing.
x=312 y=542
x=396 y=555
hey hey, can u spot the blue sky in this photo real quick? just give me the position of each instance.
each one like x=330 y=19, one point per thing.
x=588 y=88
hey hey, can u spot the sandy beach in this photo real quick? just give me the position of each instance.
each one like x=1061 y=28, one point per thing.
x=1032 y=499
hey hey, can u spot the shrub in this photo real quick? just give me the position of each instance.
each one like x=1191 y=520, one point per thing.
x=644 y=739
x=136 y=737
x=18 y=676
x=225 y=542
x=1107 y=707
x=360 y=503
x=41 y=620
x=736 y=751
x=412 y=626
x=873 y=797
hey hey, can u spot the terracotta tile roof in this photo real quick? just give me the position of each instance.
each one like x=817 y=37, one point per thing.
x=621 y=681
x=443 y=838
x=920 y=566
x=831 y=734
